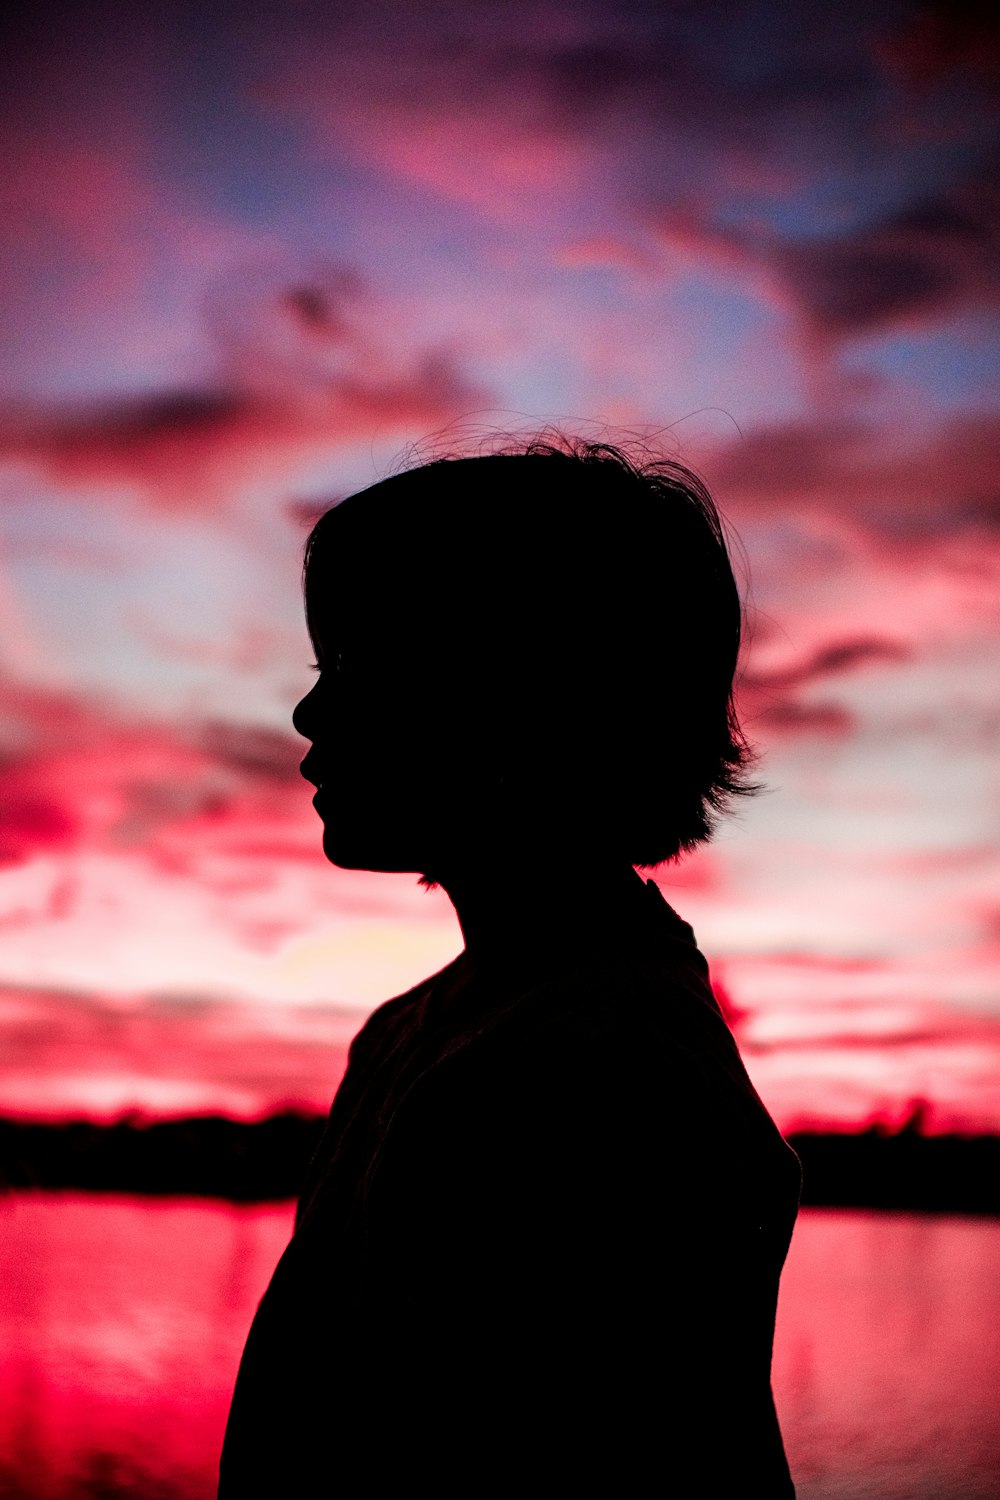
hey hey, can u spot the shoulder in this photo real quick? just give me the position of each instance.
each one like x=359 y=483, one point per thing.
x=388 y=1021
x=615 y=1039
x=642 y=1006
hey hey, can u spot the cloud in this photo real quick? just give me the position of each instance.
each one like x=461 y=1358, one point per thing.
x=609 y=251
x=786 y=717
x=932 y=257
x=103 y=253
x=513 y=119
x=260 y=753
x=247 y=649
x=915 y=488
x=75 y=775
x=32 y=821
x=577 y=118
x=778 y=700
x=829 y=660
x=305 y=513
x=82 y=1055
x=792 y=460
x=940 y=39
x=939 y=255
x=302 y=370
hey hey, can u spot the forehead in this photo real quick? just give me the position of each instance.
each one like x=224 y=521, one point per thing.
x=353 y=588
x=384 y=558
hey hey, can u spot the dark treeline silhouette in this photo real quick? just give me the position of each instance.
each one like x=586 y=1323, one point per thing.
x=206 y=1156
x=266 y=1161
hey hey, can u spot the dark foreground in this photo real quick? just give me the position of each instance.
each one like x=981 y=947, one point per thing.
x=265 y=1161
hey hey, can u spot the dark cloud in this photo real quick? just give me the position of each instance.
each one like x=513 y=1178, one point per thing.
x=314 y=309
x=791 y=458
x=937 y=255
x=715 y=70
x=772 y=700
x=935 y=41
x=301 y=369
x=128 y=430
x=845 y=288
x=830 y=660
x=909 y=489
x=786 y=716
x=258 y=752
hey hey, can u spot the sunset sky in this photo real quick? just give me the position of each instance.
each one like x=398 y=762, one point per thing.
x=253 y=254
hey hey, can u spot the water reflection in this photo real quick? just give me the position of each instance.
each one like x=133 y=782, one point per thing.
x=887 y=1356
x=122 y=1321
x=121 y=1325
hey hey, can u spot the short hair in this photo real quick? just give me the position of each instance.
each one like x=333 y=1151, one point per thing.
x=588 y=596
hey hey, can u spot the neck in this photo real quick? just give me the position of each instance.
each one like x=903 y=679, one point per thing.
x=534 y=908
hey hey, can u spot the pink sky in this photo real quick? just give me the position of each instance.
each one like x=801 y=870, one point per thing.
x=252 y=255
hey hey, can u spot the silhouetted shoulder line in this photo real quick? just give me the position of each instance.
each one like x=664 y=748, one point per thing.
x=401 y=1006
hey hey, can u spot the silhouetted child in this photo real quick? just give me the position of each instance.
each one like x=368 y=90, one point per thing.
x=539 y=1246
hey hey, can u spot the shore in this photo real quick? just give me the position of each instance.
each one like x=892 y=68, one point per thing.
x=265 y=1161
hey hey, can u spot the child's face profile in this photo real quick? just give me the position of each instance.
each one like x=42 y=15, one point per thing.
x=393 y=784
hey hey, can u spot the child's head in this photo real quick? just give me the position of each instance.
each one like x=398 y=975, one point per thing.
x=528 y=649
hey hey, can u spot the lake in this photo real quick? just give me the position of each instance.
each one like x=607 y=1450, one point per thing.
x=122 y=1320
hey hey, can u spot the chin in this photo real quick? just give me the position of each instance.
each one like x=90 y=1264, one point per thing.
x=361 y=852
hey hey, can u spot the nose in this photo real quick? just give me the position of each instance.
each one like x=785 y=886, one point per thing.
x=301 y=715
x=301 y=722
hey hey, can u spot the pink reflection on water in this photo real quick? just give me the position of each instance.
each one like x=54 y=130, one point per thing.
x=887 y=1356
x=122 y=1321
x=121 y=1326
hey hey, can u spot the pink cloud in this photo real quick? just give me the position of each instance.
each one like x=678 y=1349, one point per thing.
x=832 y=1086
x=186 y=450
x=471 y=123
x=288 y=362
x=65 y=196
x=507 y=118
x=785 y=717
x=608 y=251
x=509 y=173
x=79 y=776
x=915 y=488
x=90 y=228
x=31 y=821
x=778 y=700
x=781 y=697
x=830 y=659
x=844 y=1044
x=837 y=1065
x=97 y=1057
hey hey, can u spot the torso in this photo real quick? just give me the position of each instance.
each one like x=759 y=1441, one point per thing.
x=645 y=1034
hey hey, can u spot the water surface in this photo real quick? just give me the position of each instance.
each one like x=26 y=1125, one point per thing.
x=122 y=1321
